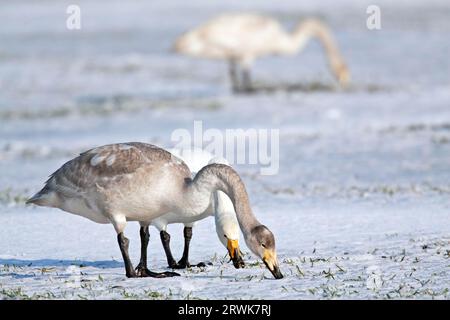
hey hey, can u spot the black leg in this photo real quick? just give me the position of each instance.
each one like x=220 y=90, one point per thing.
x=142 y=270
x=165 y=239
x=184 y=262
x=246 y=80
x=145 y=237
x=234 y=76
x=123 y=244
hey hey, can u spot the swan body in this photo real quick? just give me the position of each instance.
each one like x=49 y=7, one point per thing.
x=242 y=38
x=140 y=182
x=101 y=183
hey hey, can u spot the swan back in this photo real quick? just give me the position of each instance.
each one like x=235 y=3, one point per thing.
x=195 y=158
x=136 y=180
x=232 y=36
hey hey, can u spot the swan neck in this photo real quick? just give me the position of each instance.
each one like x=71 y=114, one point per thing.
x=223 y=203
x=219 y=177
x=312 y=28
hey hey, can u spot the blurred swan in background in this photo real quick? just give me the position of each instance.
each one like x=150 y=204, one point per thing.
x=241 y=38
x=221 y=208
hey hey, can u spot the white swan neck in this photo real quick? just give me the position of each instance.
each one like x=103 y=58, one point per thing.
x=224 y=203
x=315 y=28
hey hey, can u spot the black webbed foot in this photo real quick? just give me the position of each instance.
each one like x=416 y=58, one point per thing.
x=166 y=274
x=185 y=264
x=132 y=275
x=143 y=272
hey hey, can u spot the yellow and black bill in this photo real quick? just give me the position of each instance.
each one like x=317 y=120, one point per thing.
x=271 y=262
x=235 y=253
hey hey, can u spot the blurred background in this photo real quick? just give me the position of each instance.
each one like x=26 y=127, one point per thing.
x=356 y=166
x=117 y=79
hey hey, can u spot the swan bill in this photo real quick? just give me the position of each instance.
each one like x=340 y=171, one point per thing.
x=270 y=260
x=235 y=253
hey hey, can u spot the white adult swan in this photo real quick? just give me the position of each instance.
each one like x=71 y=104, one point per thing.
x=221 y=208
x=140 y=182
x=241 y=38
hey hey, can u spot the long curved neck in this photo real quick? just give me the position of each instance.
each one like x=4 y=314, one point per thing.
x=221 y=177
x=312 y=28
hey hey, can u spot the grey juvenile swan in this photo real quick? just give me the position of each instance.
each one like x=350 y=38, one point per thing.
x=135 y=181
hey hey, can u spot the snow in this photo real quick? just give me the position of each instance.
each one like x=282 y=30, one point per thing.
x=360 y=207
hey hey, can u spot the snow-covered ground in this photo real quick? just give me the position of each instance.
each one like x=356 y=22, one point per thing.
x=360 y=207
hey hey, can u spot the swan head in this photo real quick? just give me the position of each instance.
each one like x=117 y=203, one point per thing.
x=342 y=74
x=262 y=243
